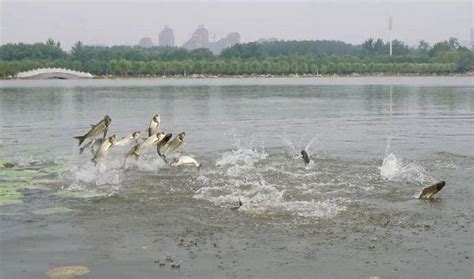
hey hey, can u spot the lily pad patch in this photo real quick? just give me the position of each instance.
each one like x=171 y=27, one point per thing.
x=7 y=165
x=9 y=194
x=13 y=175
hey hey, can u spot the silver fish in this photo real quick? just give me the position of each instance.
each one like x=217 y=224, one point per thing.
x=176 y=143
x=104 y=148
x=132 y=155
x=152 y=140
x=161 y=144
x=96 y=130
x=154 y=125
x=429 y=191
x=133 y=137
x=183 y=160
x=93 y=144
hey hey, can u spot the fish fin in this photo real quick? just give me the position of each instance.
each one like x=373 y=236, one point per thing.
x=86 y=146
x=81 y=139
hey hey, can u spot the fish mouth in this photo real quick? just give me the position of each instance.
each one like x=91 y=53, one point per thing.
x=107 y=120
x=440 y=186
x=136 y=135
x=159 y=137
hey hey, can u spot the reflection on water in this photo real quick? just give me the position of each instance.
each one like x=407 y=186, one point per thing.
x=348 y=119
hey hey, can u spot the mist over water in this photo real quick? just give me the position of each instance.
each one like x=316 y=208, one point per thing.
x=372 y=146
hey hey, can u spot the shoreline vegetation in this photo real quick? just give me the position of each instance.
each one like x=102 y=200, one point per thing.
x=253 y=60
x=265 y=76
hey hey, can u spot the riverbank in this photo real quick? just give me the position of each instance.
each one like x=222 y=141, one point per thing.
x=295 y=76
x=354 y=75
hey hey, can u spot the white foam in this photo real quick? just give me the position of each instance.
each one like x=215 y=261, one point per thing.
x=150 y=164
x=394 y=169
x=88 y=173
x=238 y=175
x=241 y=156
x=236 y=162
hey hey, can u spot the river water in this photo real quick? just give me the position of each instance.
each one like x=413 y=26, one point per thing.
x=374 y=144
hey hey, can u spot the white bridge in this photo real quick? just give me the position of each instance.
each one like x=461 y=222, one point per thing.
x=53 y=73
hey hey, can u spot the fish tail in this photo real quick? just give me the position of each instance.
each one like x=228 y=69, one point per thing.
x=163 y=156
x=81 y=139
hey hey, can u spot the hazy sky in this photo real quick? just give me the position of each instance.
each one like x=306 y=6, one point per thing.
x=108 y=22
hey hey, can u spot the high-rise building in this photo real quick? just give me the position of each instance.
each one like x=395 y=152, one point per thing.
x=166 y=37
x=199 y=39
x=145 y=42
x=231 y=39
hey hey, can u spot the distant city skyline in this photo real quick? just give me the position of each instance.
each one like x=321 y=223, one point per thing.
x=107 y=22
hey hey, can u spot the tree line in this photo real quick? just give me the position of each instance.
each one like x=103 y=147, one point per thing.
x=269 y=58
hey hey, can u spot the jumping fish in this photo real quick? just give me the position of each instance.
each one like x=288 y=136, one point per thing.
x=96 y=130
x=152 y=140
x=162 y=143
x=305 y=157
x=132 y=155
x=429 y=191
x=104 y=148
x=93 y=144
x=154 y=125
x=175 y=144
x=133 y=137
x=182 y=160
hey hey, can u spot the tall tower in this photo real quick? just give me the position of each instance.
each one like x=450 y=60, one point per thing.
x=390 y=23
x=472 y=38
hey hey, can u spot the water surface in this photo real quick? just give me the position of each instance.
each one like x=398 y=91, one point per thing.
x=374 y=143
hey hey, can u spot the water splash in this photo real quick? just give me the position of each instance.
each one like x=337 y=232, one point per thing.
x=394 y=169
x=238 y=161
x=291 y=147
x=295 y=151
x=241 y=174
x=149 y=164
x=264 y=199
x=90 y=174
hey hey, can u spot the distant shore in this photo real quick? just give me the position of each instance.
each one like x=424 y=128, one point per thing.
x=267 y=76
x=468 y=74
